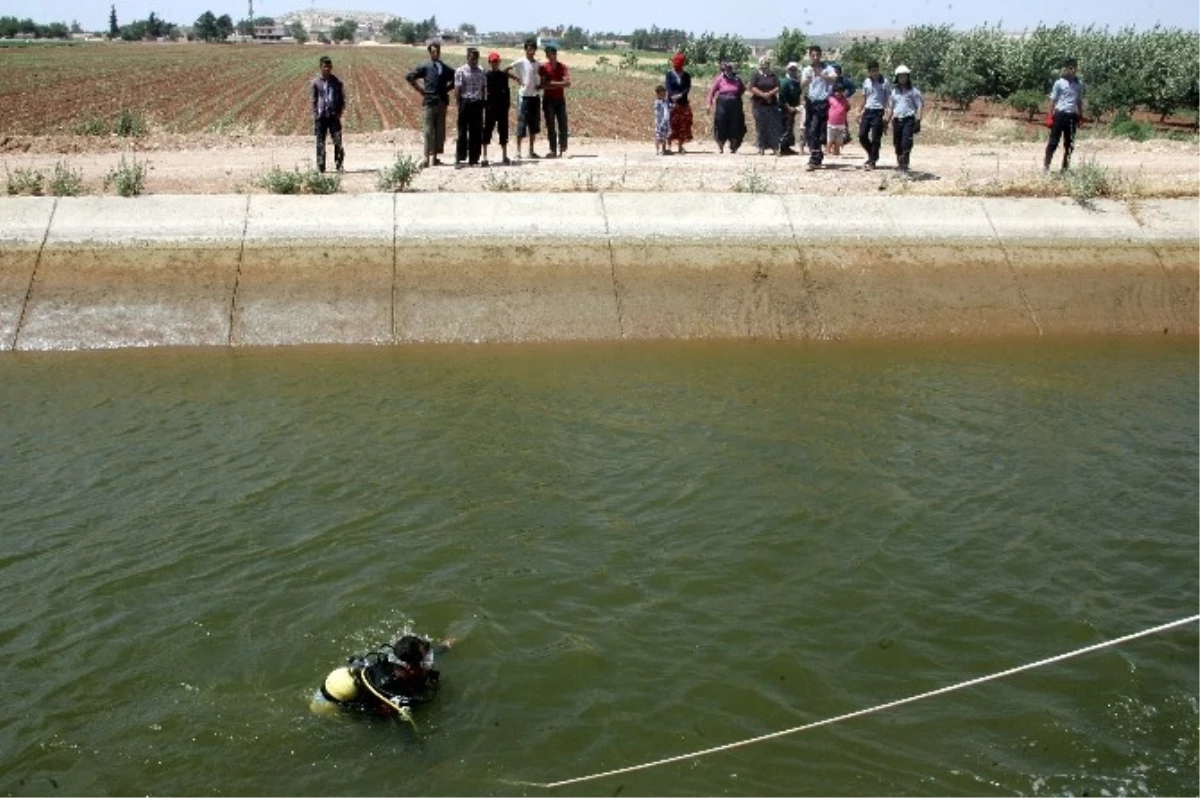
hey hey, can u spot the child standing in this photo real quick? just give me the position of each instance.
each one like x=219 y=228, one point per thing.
x=662 y=121
x=839 y=122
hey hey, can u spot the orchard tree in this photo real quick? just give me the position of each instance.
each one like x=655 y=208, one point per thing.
x=344 y=31
x=296 y=31
x=205 y=27
x=790 y=46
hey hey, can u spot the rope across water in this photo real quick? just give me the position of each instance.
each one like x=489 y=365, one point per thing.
x=951 y=688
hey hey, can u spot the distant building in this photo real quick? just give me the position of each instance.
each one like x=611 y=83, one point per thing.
x=270 y=33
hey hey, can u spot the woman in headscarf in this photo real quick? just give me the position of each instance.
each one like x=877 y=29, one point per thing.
x=729 y=118
x=679 y=83
x=764 y=100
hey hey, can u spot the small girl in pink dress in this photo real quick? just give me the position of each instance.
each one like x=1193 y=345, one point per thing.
x=838 y=130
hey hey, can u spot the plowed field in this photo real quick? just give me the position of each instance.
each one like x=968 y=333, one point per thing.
x=200 y=88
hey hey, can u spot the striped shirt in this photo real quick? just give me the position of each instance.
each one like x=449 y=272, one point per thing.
x=875 y=93
x=470 y=82
x=905 y=103
x=1067 y=94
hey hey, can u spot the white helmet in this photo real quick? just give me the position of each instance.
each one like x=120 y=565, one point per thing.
x=902 y=70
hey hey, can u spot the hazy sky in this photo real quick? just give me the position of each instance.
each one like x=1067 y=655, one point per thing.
x=762 y=21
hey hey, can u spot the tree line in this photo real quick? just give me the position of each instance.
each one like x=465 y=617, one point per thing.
x=1122 y=70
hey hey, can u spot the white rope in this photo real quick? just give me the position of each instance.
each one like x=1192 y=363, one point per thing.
x=889 y=705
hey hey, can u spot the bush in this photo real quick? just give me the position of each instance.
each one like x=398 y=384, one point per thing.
x=1087 y=180
x=129 y=178
x=751 y=182
x=501 y=181
x=400 y=174
x=281 y=181
x=25 y=181
x=66 y=182
x=130 y=124
x=1125 y=127
x=317 y=183
x=1028 y=102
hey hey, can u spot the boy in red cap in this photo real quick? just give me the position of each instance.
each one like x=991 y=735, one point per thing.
x=499 y=100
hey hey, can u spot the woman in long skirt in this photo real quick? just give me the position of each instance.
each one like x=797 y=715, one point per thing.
x=764 y=99
x=679 y=83
x=729 y=118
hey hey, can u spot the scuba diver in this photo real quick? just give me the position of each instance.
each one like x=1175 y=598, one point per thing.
x=388 y=681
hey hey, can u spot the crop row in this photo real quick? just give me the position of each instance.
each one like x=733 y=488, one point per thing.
x=196 y=88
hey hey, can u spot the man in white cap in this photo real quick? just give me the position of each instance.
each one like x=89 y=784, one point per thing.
x=904 y=108
x=789 y=105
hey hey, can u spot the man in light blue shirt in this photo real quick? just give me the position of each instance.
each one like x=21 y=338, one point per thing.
x=1066 y=109
x=870 y=120
x=816 y=82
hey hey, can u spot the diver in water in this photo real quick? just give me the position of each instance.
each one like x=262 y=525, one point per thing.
x=388 y=681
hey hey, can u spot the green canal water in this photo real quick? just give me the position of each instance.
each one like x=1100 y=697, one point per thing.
x=647 y=549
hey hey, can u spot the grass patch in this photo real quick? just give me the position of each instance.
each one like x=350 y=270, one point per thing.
x=400 y=175
x=586 y=182
x=127 y=177
x=66 y=182
x=25 y=181
x=501 y=181
x=92 y=126
x=752 y=182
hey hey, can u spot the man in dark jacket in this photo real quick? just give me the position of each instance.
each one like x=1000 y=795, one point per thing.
x=437 y=80
x=328 y=104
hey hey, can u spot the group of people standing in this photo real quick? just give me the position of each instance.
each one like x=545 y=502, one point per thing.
x=819 y=94
x=484 y=100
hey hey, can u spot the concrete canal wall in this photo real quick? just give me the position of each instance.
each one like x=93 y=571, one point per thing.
x=103 y=272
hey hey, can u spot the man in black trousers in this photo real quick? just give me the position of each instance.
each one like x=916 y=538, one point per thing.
x=328 y=105
x=470 y=85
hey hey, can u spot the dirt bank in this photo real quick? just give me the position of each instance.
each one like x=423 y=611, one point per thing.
x=989 y=165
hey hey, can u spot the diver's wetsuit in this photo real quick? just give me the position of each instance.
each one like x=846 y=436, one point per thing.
x=385 y=685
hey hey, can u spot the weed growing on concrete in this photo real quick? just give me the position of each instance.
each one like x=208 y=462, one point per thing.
x=317 y=183
x=25 y=181
x=586 y=182
x=128 y=178
x=130 y=124
x=66 y=182
x=92 y=126
x=400 y=175
x=501 y=181
x=751 y=182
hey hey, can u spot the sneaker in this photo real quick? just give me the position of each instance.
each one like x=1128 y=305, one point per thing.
x=507 y=162
x=552 y=154
x=534 y=155
x=811 y=167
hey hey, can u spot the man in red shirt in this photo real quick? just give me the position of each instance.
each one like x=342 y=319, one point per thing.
x=555 y=81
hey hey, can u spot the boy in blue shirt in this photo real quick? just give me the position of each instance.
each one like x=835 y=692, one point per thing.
x=1066 y=108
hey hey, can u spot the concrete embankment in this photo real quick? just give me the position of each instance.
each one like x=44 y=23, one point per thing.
x=103 y=272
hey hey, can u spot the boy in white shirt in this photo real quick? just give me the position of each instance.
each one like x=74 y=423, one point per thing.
x=529 y=111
